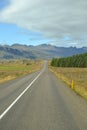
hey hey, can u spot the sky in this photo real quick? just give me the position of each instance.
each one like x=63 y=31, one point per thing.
x=33 y=22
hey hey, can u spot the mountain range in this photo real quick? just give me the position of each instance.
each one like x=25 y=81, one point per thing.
x=43 y=51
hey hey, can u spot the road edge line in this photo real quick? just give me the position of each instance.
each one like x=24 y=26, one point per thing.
x=14 y=102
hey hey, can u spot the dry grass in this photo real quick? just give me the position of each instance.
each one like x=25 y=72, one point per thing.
x=13 y=69
x=77 y=75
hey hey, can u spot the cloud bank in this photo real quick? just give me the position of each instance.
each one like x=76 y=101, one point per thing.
x=55 y=18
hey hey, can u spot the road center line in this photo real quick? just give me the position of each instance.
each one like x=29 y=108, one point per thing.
x=13 y=103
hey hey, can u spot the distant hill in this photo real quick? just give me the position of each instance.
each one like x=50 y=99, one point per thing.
x=43 y=51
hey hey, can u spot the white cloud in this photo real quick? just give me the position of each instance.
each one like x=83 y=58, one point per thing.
x=55 y=18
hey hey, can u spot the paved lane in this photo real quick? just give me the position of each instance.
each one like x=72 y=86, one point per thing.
x=47 y=105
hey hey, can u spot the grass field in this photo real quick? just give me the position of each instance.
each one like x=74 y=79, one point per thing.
x=13 y=69
x=76 y=78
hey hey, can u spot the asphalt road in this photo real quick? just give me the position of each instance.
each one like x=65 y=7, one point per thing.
x=46 y=104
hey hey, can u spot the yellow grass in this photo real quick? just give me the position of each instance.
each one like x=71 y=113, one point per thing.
x=76 y=78
x=13 y=69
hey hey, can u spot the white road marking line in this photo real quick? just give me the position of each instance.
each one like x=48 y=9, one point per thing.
x=13 y=103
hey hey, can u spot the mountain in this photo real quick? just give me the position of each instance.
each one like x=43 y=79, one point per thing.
x=43 y=51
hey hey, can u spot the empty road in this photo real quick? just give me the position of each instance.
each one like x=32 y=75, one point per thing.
x=40 y=101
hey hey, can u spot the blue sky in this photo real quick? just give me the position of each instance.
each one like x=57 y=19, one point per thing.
x=3 y=3
x=33 y=22
x=11 y=34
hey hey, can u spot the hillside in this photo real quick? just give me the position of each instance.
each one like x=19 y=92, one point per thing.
x=43 y=51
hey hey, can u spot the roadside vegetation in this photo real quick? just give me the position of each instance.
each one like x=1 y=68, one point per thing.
x=73 y=61
x=73 y=71
x=16 y=68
